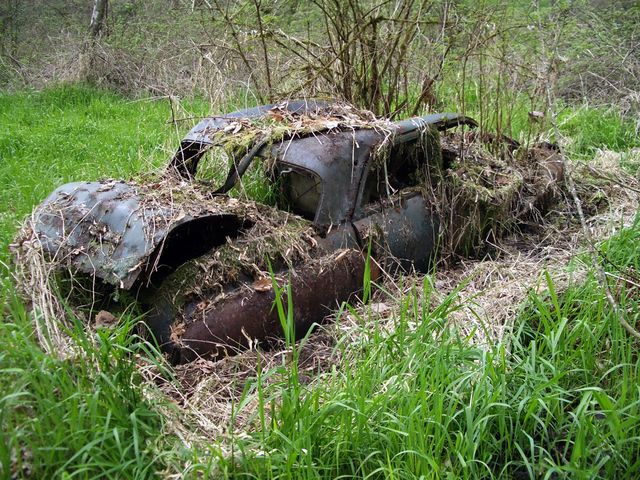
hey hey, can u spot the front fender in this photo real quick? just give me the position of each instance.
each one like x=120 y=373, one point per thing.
x=121 y=232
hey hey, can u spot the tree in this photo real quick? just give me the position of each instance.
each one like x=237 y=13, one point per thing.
x=89 y=50
x=98 y=18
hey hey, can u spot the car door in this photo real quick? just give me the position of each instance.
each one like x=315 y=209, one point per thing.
x=394 y=210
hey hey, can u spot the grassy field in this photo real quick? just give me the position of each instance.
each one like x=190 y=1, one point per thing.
x=558 y=399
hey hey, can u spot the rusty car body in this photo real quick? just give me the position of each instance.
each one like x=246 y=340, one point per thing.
x=210 y=269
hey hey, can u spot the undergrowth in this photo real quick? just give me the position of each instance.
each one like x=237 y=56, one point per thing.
x=558 y=399
x=84 y=416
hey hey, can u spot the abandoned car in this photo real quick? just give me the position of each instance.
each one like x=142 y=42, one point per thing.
x=215 y=272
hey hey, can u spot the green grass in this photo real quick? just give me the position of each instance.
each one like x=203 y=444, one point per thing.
x=81 y=417
x=559 y=400
x=584 y=128
x=592 y=128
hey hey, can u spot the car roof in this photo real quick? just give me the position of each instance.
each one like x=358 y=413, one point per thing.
x=203 y=132
x=338 y=154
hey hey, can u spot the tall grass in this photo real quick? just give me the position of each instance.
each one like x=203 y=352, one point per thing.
x=80 y=417
x=558 y=399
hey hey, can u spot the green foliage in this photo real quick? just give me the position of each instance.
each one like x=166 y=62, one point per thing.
x=591 y=128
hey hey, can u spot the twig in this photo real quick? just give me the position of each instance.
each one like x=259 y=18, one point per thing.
x=598 y=173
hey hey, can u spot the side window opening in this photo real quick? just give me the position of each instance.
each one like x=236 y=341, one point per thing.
x=292 y=188
x=300 y=191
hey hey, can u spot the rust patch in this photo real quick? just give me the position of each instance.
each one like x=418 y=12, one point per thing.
x=248 y=316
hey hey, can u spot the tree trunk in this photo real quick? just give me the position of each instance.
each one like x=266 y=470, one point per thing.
x=89 y=70
x=98 y=18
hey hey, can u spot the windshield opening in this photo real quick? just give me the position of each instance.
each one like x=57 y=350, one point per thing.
x=255 y=184
x=213 y=166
